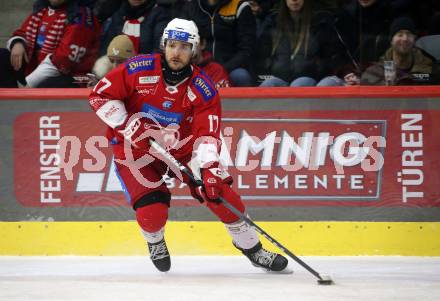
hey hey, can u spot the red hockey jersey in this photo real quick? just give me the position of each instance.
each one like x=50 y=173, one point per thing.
x=74 y=45
x=138 y=86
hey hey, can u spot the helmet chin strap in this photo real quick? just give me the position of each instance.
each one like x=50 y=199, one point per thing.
x=174 y=77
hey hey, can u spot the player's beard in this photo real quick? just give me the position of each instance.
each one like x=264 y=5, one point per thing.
x=172 y=76
x=176 y=64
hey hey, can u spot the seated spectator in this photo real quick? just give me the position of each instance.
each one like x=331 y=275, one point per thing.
x=303 y=48
x=362 y=29
x=229 y=26
x=263 y=12
x=142 y=20
x=412 y=65
x=203 y=58
x=120 y=49
x=56 y=43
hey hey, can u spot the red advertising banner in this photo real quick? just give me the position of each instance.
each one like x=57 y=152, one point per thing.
x=290 y=158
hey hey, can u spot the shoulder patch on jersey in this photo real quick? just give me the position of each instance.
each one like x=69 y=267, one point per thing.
x=205 y=87
x=140 y=63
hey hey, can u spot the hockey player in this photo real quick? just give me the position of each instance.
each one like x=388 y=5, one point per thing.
x=175 y=103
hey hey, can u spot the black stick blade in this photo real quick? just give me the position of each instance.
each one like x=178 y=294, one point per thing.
x=325 y=280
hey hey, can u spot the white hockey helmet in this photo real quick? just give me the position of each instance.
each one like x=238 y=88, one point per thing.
x=181 y=30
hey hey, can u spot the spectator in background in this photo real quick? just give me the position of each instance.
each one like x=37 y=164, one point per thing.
x=142 y=20
x=412 y=65
x=119 y=50
x=230 y=28
x=302 y=48
x=104 y=9
x=362 y=28
x=263 y=12
x=216 y=72
x=261 y=9
x=56 y=43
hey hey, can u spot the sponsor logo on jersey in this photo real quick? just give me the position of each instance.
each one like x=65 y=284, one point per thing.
x=171 y=89
x=163 y=117
x=167 y=105
x=146 y=90
x=191 y=94
x=140 y=64
x=204 y=88
x=149 y=79
x=111 y=111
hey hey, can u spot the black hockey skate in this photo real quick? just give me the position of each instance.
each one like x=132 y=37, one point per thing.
x=160 y=256
x=267 y=260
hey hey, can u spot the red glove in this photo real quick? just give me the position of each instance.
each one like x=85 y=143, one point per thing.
x=212 y=181
x=198 y=193
x=215 y=174
x=135 y=131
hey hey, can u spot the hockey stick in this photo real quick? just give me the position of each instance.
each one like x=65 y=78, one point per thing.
x=324 y=280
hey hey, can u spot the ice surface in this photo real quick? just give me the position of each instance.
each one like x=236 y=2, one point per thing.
x=213 y=278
